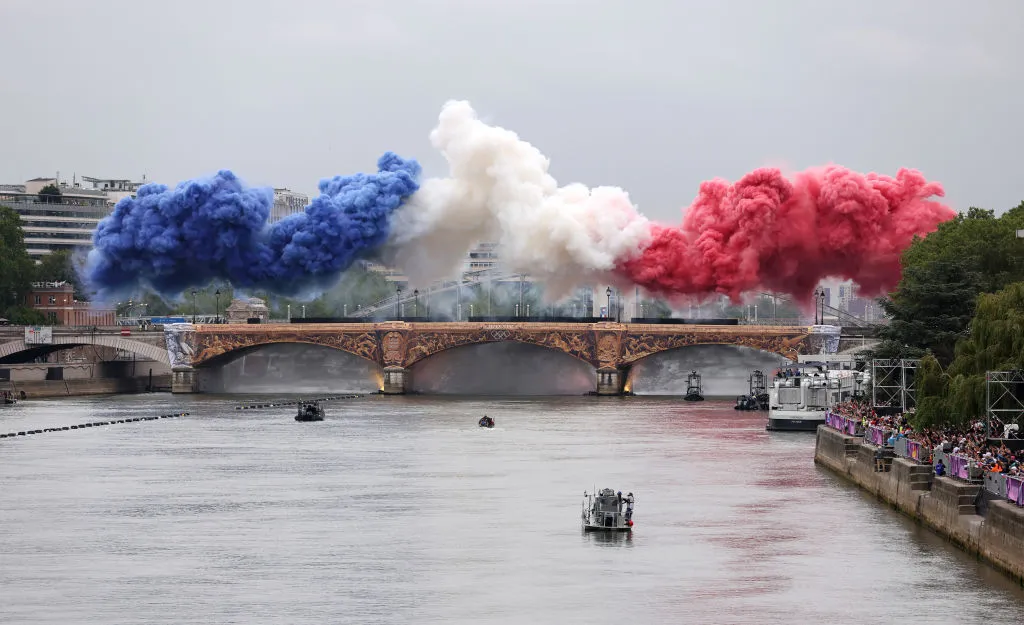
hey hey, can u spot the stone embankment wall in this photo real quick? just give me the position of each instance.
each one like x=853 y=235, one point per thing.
x=37 y=389
x=944 y=504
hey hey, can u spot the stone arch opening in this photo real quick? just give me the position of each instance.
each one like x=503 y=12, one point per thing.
x=725 y=369
x=501 y=368
x=18 y=352
x=288 y=367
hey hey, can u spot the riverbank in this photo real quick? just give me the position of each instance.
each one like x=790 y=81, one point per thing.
x=40 y=389
x=946 y=505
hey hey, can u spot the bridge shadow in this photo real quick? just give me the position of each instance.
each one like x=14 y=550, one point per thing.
x=724 y=369
x=289 y=368
x=502 y=368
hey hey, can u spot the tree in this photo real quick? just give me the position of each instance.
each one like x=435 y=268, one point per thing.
x=50 y=194
x=945 y=272
x=16 y=267
x=995 y=343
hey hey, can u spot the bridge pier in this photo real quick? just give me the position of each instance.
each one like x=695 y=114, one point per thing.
x=395 y=379
x=184 y=380
x=611 y=380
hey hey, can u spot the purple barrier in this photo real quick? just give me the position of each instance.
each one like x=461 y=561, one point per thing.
x=1015 y=490
x=919 y=452
x=958 y=467
x=844 y=425
x=875 y=436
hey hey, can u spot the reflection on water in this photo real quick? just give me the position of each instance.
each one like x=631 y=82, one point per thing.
x=401 y=509
x=725 y=369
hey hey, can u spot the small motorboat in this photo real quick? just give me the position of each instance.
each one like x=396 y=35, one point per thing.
x=693 y=388
x=8 y=398
x=607 y=511
x=486 y=422
x=310 y=411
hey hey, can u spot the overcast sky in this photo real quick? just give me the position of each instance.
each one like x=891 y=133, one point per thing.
x=651 y=95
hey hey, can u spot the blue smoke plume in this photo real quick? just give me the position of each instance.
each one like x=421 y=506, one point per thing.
x=216 y=228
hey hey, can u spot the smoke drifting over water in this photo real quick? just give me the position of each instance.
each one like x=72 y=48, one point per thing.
x=764 y=232
x=294 y=368
x=503 y=369
x=724 y=369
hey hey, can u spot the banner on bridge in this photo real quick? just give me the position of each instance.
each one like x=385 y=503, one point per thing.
x=39 y=335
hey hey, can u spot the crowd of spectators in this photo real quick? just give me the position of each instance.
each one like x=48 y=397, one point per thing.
x=970 y=440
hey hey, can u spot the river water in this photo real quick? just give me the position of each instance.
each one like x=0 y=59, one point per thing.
x=401 y=510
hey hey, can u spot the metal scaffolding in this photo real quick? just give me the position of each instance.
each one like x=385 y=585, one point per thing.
x=893 y=383
x=1004 y=399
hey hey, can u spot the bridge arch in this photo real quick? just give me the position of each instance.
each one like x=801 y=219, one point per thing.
x=681 y=348
x=230 y=355
x=424 y=350
x=146 y=350
x=214 y=347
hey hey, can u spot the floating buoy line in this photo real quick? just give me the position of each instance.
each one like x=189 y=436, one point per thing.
x=94 y=424
x=280 y=404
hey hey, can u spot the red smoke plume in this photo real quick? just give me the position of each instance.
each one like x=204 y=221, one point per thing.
x=767 y=233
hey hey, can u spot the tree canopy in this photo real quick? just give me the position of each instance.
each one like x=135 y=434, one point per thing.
x=995 y=342
x=943 y=275
x=50 y=194
x=16 y=267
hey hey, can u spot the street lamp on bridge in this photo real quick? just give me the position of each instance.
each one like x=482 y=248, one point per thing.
x=608 y=310
x=216 y=294
x=193 y=306
x=819 y=302
x=415 y=302
x=398 y=296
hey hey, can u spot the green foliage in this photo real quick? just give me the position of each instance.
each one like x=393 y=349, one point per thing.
x=16 y=267
x=50 y=194
x=25 y=316
x=995 y=343
x=945 y=272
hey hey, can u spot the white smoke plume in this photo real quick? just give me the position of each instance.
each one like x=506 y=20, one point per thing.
x=499 y=190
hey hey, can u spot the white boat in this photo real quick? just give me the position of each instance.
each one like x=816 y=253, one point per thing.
x=800 y=395
x=607 y=511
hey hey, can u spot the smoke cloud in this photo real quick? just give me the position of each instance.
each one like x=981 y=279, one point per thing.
x=216 y=228
x=766 y=232
x=499 y=190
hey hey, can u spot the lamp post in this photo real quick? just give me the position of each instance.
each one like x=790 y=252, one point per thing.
x=522 y=279
x=303 y=311
x=398 y=296
x=608 y=309
x=415 y=302
x=289 y=313
x=216 y=294
x=193 y=306
x=819 y=301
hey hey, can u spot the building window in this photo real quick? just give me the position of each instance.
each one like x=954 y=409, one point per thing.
x=39 y=300
x=52 y=317
x=53 y=300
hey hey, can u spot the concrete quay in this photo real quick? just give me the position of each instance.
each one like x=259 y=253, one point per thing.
x=944 y=504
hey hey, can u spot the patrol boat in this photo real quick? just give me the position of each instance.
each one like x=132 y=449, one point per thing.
x=310 y=411
x=607 y=511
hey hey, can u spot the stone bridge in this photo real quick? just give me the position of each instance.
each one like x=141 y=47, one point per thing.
x=151 y=345
x=611 y=348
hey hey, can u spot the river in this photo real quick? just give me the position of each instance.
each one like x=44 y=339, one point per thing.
x=401 y=510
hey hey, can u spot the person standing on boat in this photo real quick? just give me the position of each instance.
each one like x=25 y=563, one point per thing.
x=629 y=507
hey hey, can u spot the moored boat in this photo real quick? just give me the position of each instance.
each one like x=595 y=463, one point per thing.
x=486 y=422
x=801 y=395
x=607 y=511
x=8 y=398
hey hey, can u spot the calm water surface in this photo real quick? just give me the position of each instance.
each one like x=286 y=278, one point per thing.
x=401 y=510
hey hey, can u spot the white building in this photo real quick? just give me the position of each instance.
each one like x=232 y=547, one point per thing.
x=287 y=202
x=56 y=224
x=116 y=188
